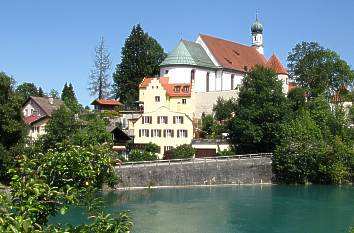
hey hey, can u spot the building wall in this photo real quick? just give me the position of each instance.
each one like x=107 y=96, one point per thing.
x=148 y=94
x=163 y=141
x=284 y=79
x=204 y=101
x=37 y=129
x=30 y=108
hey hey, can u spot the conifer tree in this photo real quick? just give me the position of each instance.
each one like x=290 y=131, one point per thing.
x=69 y=98
x=141 y=56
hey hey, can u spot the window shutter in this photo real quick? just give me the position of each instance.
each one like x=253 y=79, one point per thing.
x=166 y=119
x=174 y=120
x=172 y=133
x=139 y=133
x=147 y=131
x=142 y=119
x=150 y=118
x=178 y=133
x=160 y=134
x=182 y=120
x=164 y=133
x=186 y=133
x=158 y=120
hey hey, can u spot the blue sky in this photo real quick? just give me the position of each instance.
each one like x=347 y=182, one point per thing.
x=52 y=42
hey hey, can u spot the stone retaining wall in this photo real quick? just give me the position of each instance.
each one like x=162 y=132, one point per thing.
x=212 y=172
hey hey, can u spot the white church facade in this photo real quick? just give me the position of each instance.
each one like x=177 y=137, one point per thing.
x=216 y=67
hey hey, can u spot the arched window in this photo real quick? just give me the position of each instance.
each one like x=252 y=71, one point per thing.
x=192 y=75
x=207 y=82
x=232 y=81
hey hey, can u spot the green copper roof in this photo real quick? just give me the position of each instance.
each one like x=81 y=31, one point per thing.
x=188 y=53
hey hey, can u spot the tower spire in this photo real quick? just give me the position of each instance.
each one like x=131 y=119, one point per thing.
x=257 y=35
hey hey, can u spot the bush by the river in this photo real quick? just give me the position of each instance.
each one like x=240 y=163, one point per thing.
x=141 y=155
x=183 y=151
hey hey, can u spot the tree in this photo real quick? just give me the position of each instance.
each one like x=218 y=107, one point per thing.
x=138 y=155
x=141 y=56
x=54 y=93
x=223 y=109
x=300 y=147
x=259 y=112
x=318 y=70
x=12 y=128
x=28 y=89
x=69 y=98
x=98 y=80
x=60 y=127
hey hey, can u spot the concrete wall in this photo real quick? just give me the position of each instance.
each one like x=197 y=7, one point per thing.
x=244 y=171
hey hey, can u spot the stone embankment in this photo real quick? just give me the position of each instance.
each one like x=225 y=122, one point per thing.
x=255 y=169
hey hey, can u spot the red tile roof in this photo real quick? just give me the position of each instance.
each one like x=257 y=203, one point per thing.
x=106 y=102
x=275 y=64
x=146 y=81
x=233 y=55
x=31 y=119
x=170 y=88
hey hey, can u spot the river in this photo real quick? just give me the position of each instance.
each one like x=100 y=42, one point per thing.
x=241 y=209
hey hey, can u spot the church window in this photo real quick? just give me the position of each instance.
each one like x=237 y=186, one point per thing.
x=207 y=82
x=157 y=98
x=184 y=101
x=192 y=75
x=232 y=81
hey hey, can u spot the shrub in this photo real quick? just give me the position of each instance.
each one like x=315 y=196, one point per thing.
x=137 y=155
x=183 y=151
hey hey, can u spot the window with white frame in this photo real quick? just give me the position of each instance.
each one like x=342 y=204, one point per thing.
x=143 y=133
x=157 y=98
x=182 y=133
x=147 y=120
x=162 y=120
x=178 y=120
x=156 y=133
x=168 y=133
x=167 y=148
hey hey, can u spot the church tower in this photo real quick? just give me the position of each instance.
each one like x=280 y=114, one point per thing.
x=257 y=35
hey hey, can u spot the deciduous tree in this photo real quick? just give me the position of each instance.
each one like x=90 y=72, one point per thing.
x=98 y=80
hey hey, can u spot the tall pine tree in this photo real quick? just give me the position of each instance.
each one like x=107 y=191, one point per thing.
x=141 y=56
x=69 y=98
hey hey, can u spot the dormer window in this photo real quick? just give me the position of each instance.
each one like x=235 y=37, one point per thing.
x=185 y=89
x=177 y=89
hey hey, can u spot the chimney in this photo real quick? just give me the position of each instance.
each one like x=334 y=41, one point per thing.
x=51 y=100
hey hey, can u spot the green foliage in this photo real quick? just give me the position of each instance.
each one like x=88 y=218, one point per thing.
x=141 y=56
x=152 y=148
x=183 y=151
x=138 y=155
x=296 y=98
x=79 y=166
x=351 y=230
x=259 y=112
x=60 y=128
x=295 y=157
x=226 y=152
x=224 y=109
x=318 y=70
x=69 y=98
x=12 y=128
x=92 y=132
x=26 y=90
x=33 y=200
x=54 y=93
x=207 y=125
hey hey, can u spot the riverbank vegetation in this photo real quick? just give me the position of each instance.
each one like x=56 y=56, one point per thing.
x=310 y=132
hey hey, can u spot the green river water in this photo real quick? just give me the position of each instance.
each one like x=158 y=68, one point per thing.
x=241 y=209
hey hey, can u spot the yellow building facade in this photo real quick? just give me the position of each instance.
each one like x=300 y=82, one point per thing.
x=168 y=114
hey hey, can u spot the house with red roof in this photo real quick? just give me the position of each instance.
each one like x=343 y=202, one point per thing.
x=106 y=105
x=36 y=112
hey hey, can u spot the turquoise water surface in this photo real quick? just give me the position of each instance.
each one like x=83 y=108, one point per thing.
x=242 y=209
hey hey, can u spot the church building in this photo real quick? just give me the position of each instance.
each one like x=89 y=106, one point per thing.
x=215 y=67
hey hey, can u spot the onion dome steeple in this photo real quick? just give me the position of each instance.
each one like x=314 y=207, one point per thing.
x=257 y=27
